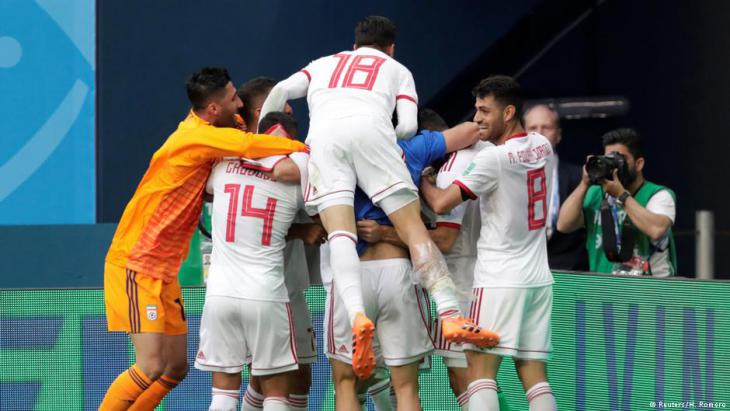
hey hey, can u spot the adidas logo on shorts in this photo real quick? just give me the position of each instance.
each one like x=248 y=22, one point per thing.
x=200 y=356
x=343 y=349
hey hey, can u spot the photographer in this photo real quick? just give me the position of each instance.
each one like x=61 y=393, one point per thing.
x=613 y=188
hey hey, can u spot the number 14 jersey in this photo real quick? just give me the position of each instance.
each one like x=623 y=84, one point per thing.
x=512 y=185
x=250 y=220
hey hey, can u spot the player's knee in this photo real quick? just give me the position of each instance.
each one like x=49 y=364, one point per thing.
x=177 y=368
x=152 y=367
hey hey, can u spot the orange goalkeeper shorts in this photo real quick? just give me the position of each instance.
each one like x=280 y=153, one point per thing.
x=137 y=303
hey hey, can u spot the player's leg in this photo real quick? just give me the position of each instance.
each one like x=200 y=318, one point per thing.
x=458 y=379
x=276 y=391
x=379 y=391
x=225 y=392
x=222 y=349
x=482 y=389
x=273 y=349
x=533 y=375
x=535 y=347
x=344 y=380
x=404 y=379
x=253 y=399
x=331 y=189
x=306 y=351
x=402 y=324
x=176 y=367
x=126 y=293
x=174 y=345
x=301 y=381
x=431 y=271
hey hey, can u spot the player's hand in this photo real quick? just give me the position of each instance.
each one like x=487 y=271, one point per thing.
x=314 y=234
x=369 y=230
x=613 y=187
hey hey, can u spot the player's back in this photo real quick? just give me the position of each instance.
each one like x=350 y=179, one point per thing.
x=512 y=244
x=250 y=219
x=365 y=81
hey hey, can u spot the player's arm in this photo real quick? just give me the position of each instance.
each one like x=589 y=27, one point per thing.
x=372 y=232
x=310 y=233
x=441 y=200
x=461 y=136
x=407 y=118
x=406 y=105
x=208 y=142
x=286 y=171
x=292 y=88
x=445 y=237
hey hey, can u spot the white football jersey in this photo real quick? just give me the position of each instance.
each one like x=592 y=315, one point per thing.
x=465 y=216
x=365 y=81
x=250 y=220
x=512 y=184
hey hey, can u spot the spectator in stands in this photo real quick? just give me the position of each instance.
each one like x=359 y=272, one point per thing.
x=566 y=251
x=650 y=209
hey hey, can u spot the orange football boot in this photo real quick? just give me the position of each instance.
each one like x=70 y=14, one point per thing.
x=463 y=330
x=363 y=356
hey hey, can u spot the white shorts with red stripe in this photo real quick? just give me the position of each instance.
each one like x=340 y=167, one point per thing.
x=356 y=151
x=521 y=318
x=399 y=309
x=303 y=328
x=236 y=331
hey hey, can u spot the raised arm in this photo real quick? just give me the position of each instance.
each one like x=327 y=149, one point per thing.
x=292 y=88
x=461 y=136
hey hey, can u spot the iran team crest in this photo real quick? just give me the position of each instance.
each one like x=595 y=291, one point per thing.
x=152 y=312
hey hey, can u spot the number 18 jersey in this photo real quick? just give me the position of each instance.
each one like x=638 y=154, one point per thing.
x=250 y=219
x=365 y=81
x=512 y=183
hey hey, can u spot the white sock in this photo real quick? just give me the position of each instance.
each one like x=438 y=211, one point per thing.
x=463 y=400
x=483 y=395
x=298 y=402
x=252 y=400
x=444 y=295
x=380 y=394
x=430 y=270
x=541 y=397
x=345 y=265
x=224 y=400
x=276 y=404
x=393 y=398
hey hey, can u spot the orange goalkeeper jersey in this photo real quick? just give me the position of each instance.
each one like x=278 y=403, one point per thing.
x=154 y=233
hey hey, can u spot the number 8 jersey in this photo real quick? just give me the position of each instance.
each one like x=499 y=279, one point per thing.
x=250 y=220
x=510 y=181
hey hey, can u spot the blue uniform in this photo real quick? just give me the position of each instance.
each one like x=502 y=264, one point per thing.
x=420 y=151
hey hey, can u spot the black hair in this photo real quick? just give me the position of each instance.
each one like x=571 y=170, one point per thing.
x=279 y=117
x=627 y=137
x=250 y=91
x=375 y=31
x=504 y=89
x=431 y=120
x=206 y=83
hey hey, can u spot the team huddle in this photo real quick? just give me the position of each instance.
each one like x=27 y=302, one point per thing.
x=347 y=206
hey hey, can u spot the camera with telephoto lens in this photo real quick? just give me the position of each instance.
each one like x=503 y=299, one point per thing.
x=601 y=167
